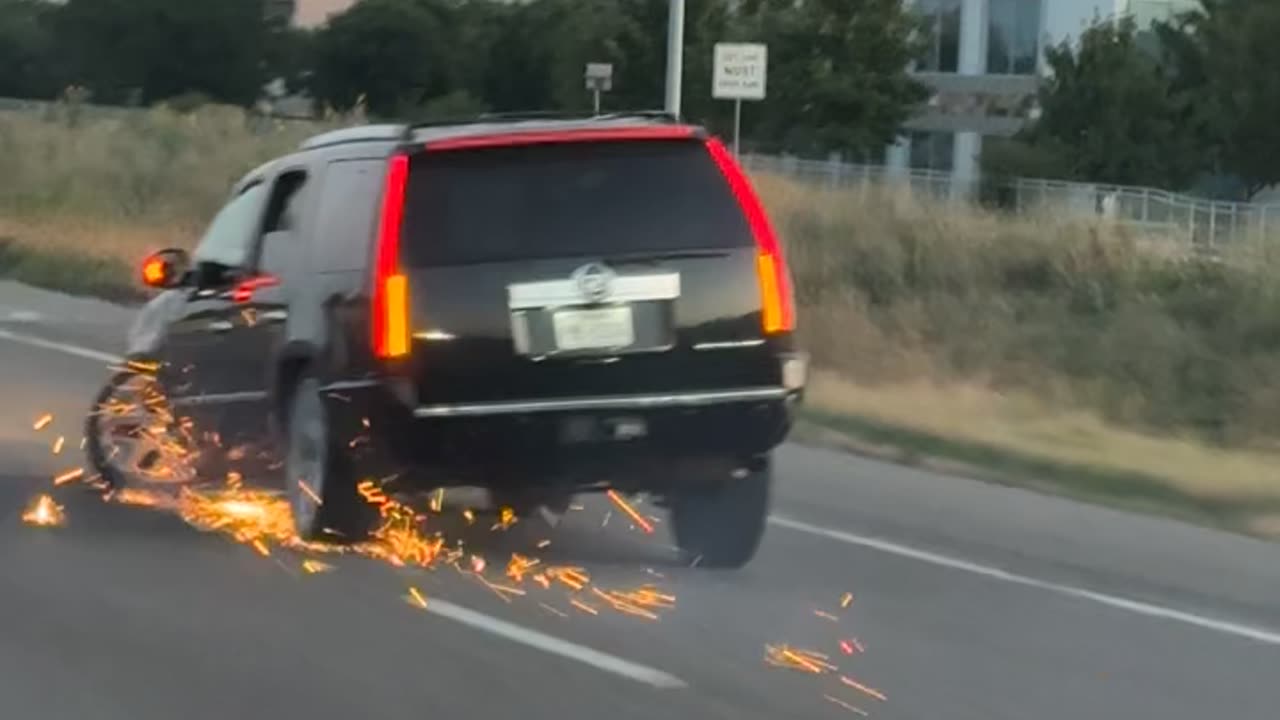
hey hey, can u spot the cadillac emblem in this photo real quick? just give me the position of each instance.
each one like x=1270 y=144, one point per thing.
x=594 y=282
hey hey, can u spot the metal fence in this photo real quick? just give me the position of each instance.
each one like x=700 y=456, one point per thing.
x=1205 y=223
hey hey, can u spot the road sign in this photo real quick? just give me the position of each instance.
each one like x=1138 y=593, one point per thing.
x=599 y=77
x=740 y=70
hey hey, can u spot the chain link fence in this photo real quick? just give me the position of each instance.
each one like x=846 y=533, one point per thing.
x=1206 y=224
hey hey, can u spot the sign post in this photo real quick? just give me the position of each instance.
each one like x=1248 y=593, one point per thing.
x=599 y=80
x=739 y=73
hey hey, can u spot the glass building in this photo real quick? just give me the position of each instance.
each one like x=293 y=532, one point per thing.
x=984 y=63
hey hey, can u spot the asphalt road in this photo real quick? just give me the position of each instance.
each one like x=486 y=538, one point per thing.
x=971 y=601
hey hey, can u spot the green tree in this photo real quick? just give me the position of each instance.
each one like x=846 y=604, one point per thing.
x=27 y=50
x=1226 y=55
x=150 y=50
x=396 y=54
x=1116 y=112
x=838 y=75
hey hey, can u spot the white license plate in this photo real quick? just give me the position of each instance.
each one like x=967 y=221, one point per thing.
x=594 y=329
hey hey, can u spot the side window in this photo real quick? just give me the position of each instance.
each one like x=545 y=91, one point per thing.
x=348 y=206
x=228 y=241
x=279 y=226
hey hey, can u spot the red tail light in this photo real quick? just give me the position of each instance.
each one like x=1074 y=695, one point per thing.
x=777 y=303
x=390 y=301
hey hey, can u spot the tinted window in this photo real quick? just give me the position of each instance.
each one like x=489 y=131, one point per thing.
x=594 y=198
x=229 y=239
x=1013 y=37
x=943 y=50
x=348 y=203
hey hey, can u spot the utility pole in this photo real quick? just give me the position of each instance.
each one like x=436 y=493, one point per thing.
x=675 y=54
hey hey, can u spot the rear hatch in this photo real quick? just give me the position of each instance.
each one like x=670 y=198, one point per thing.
x=580 y=268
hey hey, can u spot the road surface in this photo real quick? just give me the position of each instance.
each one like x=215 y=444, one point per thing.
x=970 y=601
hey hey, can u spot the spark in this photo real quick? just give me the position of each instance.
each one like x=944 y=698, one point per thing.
x=574 y=577
x=804 y=660
x=69 y=476
x=469 y=516
x=506 y=518
x=519 y=565
x=826 y=616
x=576 y=507
x=261 y=547
x=315 y=567
x=625 y=507
x=306 y=490
x=863 y=688
x=143 y=367
x=544 y=544
x=845 y=600
x=584 y=607
x=846 y=706
x=437 y=501
x=43 y=422
x=416 y=598
x=477 y=564
x=851 y=645
x=552 y=610
x=607 y=516
x=57 y=445
x=44 y=512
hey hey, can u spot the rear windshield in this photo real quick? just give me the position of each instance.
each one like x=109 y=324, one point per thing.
x=591 y=198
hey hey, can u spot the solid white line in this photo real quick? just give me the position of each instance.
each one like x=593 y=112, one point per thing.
x=457 y=613
x=554 y=645
x=658 y=678
x=1261 y=635
x=66 y=348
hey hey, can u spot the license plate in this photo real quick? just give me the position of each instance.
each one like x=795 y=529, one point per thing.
x=593 y=329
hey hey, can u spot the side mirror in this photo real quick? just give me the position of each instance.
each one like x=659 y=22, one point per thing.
x=165 y=269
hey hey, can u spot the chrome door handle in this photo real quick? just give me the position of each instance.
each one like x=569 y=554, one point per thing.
x=220 y=326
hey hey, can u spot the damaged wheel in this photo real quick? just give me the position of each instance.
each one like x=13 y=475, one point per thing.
x=132 y=436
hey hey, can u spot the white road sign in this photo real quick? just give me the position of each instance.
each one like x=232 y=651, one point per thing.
x=740 y=70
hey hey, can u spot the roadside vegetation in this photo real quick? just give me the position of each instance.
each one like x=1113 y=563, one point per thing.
x=1067 y=354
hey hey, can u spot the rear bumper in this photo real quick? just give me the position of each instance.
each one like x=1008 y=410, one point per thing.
x=649 y=401
x=635 y=441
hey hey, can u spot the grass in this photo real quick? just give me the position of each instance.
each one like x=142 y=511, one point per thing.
x=1054 y=352
x=1016 y=439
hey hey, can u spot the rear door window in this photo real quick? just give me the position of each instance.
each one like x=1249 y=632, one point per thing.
x=348 y=203
x=568 y=199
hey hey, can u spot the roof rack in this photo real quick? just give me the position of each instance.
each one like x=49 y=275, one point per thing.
x=661 y=115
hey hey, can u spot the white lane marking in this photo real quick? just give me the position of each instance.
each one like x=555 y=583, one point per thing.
x=554 y=645
x=23 y=316
x=1261 y=635
x=65 y=348
x=457 y=613
x=612 y=664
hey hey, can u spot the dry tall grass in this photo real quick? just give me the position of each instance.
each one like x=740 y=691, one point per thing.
x=926 y=315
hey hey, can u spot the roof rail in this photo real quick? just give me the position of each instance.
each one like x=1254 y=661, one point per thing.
x=661 y=115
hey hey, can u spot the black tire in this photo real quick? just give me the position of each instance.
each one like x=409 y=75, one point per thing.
x=720 y=524
x=313 y=457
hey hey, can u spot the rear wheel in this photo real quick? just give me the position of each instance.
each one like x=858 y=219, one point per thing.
x=720 y=524
x=319 y=478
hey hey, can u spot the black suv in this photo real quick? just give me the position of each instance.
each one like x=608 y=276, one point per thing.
x=535 y=306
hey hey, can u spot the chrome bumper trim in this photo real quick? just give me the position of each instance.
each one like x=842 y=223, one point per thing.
x=603 y=402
